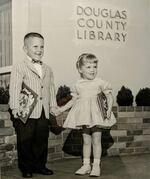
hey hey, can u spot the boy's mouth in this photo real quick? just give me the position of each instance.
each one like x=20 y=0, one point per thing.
x=38 y=55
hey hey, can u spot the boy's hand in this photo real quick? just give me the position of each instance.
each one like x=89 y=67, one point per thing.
x=15 y=113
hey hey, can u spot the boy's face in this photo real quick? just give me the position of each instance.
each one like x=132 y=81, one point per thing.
x=88 y=71
x=34 y=47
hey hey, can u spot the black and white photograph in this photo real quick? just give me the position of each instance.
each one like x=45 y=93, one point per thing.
x=74 y=89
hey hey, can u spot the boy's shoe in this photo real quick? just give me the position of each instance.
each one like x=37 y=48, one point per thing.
x=96 y=171
x=85 y=169
x=44 y=171
x=27 y=175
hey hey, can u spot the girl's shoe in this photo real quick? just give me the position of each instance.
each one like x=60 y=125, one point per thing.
x=96 y=171
x=85 y=169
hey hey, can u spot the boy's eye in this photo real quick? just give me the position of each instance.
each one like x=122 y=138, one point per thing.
x=36 y=46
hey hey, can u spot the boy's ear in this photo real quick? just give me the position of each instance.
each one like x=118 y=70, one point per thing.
x=25 y=49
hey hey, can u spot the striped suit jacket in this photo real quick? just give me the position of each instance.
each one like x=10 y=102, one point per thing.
x=44 y=87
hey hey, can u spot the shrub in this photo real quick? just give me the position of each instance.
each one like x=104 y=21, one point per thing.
x=143 y=97
x=63 y=95
x=125 y=97
x=4 y=95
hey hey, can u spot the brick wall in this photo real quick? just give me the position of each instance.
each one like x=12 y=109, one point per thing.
x=131 y=135
x=7 y=138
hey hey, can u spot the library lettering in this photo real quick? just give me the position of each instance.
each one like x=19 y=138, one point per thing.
x=101 y=24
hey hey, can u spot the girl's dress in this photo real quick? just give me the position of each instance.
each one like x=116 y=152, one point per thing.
x=85 y=111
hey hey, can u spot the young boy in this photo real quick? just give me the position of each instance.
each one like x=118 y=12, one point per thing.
x=32 y=136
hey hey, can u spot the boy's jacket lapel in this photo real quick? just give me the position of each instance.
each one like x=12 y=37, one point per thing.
x=43 y=70
x=31 y=66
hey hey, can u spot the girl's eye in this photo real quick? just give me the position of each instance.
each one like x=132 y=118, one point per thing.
x=88 y=67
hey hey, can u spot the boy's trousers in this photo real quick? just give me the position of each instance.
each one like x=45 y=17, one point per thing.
x=32 y=143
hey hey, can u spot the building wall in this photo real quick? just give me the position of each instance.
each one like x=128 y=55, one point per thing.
x=122 y=63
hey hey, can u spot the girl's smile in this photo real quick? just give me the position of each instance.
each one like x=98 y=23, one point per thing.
x=88 y=71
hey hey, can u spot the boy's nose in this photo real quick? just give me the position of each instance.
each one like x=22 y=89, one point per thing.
x=39 y=51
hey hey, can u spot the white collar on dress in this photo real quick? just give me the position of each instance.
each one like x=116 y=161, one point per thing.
x=81 y=80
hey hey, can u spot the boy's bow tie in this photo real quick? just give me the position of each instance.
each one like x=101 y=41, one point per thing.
x=37 y=61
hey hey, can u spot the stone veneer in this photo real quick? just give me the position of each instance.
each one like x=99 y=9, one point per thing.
x=131 y=135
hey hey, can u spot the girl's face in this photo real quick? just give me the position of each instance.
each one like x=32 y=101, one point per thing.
x=88 y=71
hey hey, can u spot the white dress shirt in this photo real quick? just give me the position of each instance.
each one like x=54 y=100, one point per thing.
x=37 y=66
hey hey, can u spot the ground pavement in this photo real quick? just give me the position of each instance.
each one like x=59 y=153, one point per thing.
x=126 y=167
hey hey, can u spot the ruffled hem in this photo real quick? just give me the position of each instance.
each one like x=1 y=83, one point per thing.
x=106 y=124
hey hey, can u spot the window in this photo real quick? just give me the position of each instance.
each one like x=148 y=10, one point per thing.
x=5 y=41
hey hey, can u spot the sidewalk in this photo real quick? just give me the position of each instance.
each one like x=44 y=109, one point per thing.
x=126 y=167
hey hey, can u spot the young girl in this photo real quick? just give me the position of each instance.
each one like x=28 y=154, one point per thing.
x=85 y=113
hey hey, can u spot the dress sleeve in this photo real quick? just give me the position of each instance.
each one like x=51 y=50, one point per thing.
x=106 y=87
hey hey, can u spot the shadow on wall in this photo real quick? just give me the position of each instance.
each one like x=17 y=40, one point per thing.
x=107 y=141
x=73 y=144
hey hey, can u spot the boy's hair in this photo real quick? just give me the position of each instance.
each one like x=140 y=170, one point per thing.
x=86 y=58
x=33 y=34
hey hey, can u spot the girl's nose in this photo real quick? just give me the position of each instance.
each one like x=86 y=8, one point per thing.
x=92 y=69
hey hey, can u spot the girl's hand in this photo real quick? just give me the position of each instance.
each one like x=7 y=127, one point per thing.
x=108 y=114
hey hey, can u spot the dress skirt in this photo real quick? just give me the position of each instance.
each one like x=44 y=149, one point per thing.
x=86 y=111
